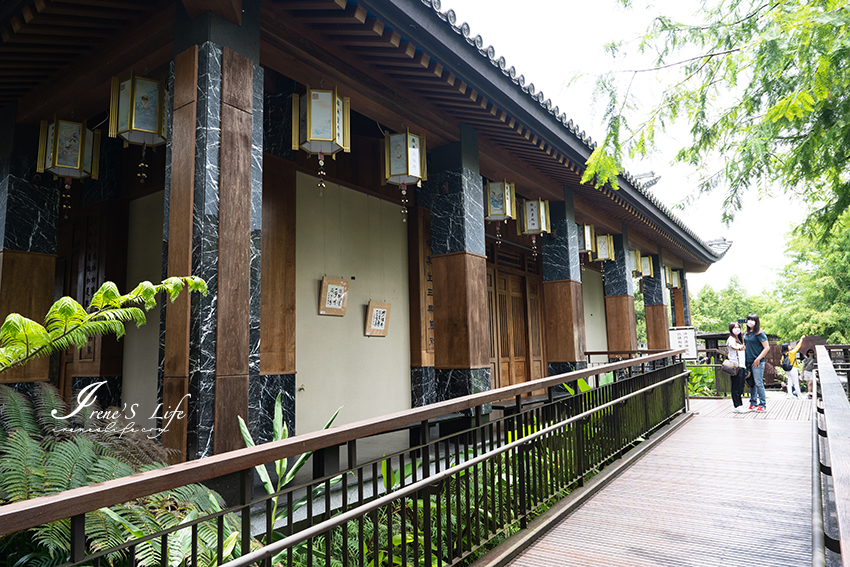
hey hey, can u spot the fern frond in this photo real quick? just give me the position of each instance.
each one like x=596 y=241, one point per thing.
x=63 y=314
x=67 y=465
x=46 y=399
x=107 y=297
x=22 y=467
x=16 y=412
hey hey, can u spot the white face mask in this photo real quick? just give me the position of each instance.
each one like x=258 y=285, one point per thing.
x=751 y=323
x=736 y=331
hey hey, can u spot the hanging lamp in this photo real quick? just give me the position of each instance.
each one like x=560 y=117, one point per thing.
x=404 y=163
x=137 y=111
x=321 y=125
x=68 y=149
x=500 y=197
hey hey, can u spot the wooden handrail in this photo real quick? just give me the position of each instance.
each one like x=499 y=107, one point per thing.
x=836 y=417
x=619 y=352
x=37 y=511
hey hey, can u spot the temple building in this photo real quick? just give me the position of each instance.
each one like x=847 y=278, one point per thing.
x=386 y=214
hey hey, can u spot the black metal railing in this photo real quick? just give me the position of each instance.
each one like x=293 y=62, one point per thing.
x=435 y=502
x=830 y=462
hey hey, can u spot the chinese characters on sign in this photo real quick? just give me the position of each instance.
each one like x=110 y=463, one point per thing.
x=377 y=319
x=686 y=338
x=333 y=297
x=429 y=295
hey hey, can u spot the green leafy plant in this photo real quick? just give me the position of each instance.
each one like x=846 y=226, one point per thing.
x=702 y=380
x=68 y=324
x=280 y=431
x=41 y=454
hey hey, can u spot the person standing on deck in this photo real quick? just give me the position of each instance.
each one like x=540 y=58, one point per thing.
x=808 y=370
x=755 y=342
x=736 y=347
x=791 y=377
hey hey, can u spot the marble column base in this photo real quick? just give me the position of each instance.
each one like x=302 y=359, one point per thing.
x=262 y=393
x=454 y=383
x=423 y=386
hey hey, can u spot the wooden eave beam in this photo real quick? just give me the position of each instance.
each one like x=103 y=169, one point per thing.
x=58 y=8
x=308 y=5
x=302 y=54
x=151 y=37
x=230 y=10
x=353 y=13
x=31 y=16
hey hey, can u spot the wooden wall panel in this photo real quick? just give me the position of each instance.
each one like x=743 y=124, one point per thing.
x=564 y=318
x=231 y=402
x=174 y=390
x=277 y=311
x=237 y=72
x=678 y=307
x=460 y=311
x=421 y=286
x=26 y=287
x=234 y=253
x=180 y=213
x=657 y=324
x=620 y=322
x=234 y=244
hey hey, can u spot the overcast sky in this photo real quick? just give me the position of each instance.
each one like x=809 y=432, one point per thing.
x=559 y=46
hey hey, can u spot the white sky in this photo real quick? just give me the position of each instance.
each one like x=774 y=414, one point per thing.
x=558 y=46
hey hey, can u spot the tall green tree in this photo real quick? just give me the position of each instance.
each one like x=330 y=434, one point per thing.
x=813 y=297
x=763 y=87
x=712 y=311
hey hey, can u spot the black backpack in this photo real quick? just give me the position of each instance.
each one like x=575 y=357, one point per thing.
x=786 y=363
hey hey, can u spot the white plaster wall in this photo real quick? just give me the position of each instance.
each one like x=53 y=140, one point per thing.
x=595 y=329
x=141 y=346
x=347 y=234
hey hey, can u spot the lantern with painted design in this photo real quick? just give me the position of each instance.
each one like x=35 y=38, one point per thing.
x=68 y=149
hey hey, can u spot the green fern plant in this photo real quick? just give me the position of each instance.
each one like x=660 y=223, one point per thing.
x=41 y=454
x=68 y=324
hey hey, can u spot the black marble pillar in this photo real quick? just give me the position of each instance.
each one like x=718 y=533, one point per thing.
x=653 y=287
x=556 y=368
x=454 y=193
x=202 y=327
x=618 y=272
x=686 y=300
x=559 y=254
x=29 y=201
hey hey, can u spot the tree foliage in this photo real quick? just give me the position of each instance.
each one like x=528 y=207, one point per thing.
x=814 y=296
x=712 y=311
x=68 y=324
x=765 y=89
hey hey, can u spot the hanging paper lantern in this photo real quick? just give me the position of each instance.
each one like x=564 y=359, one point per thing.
x=320 y=122
x=604 y=247
x=68 y=149
x=636 y=270
x=137 y=111
x=404 y=159
x=587 y=240
x=501 y=201
x=675 y=279
x=668 y=276
x=535 y=217
x=646 y=269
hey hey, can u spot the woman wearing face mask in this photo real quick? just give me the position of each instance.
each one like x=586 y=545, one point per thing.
x=755 y=342
x=736 y=346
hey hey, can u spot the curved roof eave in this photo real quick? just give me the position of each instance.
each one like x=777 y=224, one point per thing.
x=422 y=23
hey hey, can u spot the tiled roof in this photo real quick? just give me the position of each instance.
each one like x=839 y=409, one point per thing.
x=450 y=18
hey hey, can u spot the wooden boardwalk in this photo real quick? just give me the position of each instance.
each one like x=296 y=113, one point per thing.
x=725 y=489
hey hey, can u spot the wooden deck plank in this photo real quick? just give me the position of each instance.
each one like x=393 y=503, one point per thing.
x=726 y=489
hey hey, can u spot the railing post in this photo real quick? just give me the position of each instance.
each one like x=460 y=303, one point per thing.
x=580 y=445
x=523 y=489
x=246 y=494
x=78 y=538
